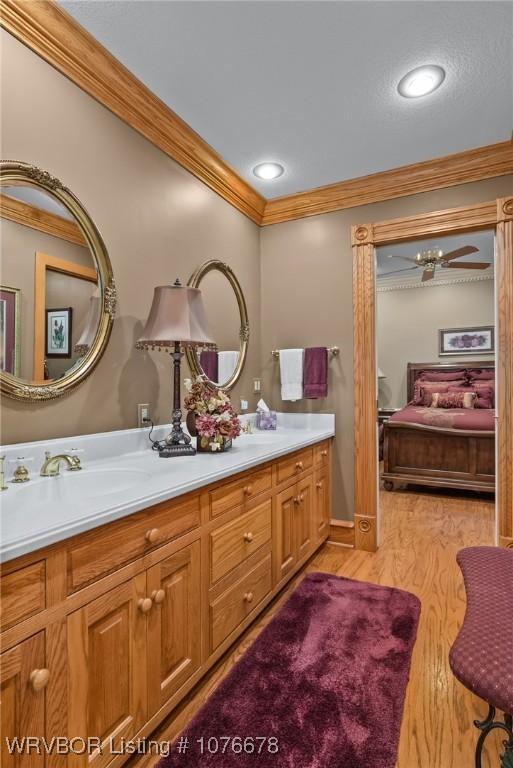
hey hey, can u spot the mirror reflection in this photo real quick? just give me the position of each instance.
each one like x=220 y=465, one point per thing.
x=224 y=321
x=49 y=303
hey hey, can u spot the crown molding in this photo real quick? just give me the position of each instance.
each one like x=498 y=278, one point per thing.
x=386 y=284
x=36 y=218
x=460 y=168
x=55 y=36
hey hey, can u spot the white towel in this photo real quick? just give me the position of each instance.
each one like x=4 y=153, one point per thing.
x=291 y=371
x=227 y=362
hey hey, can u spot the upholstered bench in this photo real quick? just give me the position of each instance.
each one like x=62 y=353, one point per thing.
x=482 y=655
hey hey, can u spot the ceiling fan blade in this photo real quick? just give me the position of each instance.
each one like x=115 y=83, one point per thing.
x=428 y=274
x=463 y=251
x=407 y=258
x=396 y=271
x=468 y=265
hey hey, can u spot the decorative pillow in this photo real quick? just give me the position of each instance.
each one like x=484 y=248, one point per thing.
x=423 y=390
x=484 y=384
x=484 y=397
x=442 y=376
x=453 y=399
x=477 y=374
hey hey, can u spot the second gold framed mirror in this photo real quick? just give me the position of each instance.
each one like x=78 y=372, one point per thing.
x=227 y=315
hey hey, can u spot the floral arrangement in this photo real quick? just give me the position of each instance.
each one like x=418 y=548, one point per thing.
x=214 y=415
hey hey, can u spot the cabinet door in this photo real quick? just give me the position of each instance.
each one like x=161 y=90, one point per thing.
x=305 y=517
x=22 y=713
x=107 y=669
x=284 y=536
x=174 y=624
x=322 y=504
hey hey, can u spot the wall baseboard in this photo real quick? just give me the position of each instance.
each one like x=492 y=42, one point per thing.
x=341 y=533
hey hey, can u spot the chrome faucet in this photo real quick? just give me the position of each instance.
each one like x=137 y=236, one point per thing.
x=248 y=428
x=51 y=464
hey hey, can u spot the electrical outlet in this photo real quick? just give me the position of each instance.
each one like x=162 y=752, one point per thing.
x=257 y=386
x=143 y=413
x=244 y=405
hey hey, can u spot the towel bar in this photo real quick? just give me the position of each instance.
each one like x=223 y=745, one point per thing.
x=332 y=350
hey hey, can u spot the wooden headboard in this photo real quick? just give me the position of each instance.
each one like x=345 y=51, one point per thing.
x=415 y=369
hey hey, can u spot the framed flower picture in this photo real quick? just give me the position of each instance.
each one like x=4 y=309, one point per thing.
x=467 y=341
x=10 y=339
x=58 y=332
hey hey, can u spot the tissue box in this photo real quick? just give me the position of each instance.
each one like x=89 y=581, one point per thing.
x=266 y=420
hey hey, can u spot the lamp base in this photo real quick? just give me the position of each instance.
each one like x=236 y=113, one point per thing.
x=177 y=450
x=177 y=443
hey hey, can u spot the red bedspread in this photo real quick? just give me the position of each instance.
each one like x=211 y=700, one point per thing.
x=448 y=418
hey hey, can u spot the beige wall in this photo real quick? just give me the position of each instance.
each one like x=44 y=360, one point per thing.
x=408 y=321
x=307 y=300
x=158 y=222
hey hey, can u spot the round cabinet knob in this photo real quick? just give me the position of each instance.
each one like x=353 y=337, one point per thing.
x=152 y=535
x=248 y=537
x=248 y=597
x=248 y=490
x=299 y=465
x=158 y=596
x=319 y=484
x=301 y=498
x=296 y=499
x=324 y=453
x=39 y=679
x=145 y=604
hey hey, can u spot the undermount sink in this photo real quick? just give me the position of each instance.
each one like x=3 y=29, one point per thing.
x=85 y=484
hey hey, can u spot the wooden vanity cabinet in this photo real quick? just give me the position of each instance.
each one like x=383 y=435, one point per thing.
x=24 y=678
x=105 y=647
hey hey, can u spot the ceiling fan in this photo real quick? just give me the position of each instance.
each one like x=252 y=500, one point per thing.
x=432 y=258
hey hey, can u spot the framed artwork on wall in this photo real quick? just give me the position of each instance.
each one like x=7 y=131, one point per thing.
x=58 y=332
x=467 y=341
x=10 y=331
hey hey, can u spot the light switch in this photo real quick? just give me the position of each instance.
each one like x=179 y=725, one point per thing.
x=244 y=405
x=257 y=386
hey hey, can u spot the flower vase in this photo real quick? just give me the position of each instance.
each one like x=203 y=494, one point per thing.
x=218 y=444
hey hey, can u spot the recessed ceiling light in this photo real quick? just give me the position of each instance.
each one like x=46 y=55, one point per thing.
x=421 y=81
x=268 y=171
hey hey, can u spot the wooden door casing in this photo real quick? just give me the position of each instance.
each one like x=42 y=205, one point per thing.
x=22 y=708
x=107 y=679
x=174 y=624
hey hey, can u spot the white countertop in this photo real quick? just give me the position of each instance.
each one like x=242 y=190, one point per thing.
x=121 y=475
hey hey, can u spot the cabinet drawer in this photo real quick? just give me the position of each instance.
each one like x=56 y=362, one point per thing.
x=322 y=454
x=238 y=601
x=104 y=550
x=234 y=542
x=23 y=593
x=236 y=493
x=294 y=465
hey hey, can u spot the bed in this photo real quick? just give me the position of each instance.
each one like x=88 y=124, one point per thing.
x=453 y=448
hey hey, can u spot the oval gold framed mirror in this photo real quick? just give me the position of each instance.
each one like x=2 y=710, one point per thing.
x=227 y=316
x=58 y=296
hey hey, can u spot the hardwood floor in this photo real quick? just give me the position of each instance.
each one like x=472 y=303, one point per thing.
x=421 y=534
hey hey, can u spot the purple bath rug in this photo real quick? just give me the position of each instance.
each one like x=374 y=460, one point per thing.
x=322 y=686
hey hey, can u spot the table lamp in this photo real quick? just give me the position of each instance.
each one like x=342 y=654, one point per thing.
x=177 y=318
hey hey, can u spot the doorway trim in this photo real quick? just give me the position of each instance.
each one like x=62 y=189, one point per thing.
x=497 y=214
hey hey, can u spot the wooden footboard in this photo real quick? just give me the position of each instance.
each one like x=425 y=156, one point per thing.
x=448 y=458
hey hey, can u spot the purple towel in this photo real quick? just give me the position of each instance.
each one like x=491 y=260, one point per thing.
x=209 y=364
x=315 y=373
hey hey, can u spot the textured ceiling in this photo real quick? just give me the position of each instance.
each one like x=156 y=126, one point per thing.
x=313 y=84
